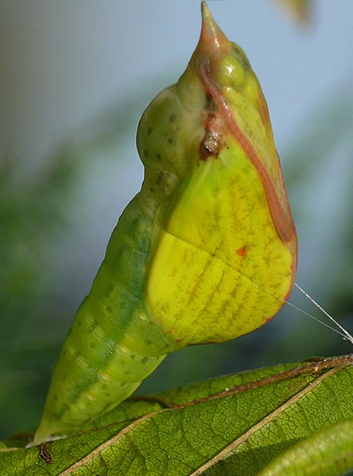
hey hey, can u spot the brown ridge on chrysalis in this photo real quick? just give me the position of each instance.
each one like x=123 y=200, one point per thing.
x=212 y=44
x=283 y=221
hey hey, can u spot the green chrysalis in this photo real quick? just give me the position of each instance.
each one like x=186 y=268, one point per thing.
x=205 y=252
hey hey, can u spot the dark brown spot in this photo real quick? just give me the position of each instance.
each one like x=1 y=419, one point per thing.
x=149 y=130
x=210 y=104
x=158 y=156
x=44 y=453
x=160 y=177
x=172 y=117
x=170 y=140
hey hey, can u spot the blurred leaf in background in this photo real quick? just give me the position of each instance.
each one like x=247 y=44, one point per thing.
x=32 y=215
x=35 y=213
x=299 y=10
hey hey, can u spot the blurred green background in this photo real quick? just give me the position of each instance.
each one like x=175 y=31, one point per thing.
x=75 y=76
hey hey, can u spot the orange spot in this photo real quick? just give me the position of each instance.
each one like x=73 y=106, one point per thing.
x=241 y=251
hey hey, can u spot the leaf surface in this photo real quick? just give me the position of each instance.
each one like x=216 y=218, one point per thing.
x=233 y=425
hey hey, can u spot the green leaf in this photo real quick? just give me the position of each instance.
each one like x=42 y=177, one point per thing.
x=328 y=452
x=234 y=425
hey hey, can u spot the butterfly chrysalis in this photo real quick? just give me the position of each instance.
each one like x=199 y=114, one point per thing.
x=205 y=252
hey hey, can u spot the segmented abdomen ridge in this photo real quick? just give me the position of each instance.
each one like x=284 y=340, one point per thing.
x=114 y=344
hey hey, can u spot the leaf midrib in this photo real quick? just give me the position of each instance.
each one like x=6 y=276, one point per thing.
x=220 y=455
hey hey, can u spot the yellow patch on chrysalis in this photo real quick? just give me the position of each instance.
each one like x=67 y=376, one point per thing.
x=219 y=261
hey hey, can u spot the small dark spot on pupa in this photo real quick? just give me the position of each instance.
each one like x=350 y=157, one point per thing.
x=159 y=180
x=104 y=386
x=145 y=153
x=144 y=360
x=148 y=342
x=170 y=140
x=92 y=345
x=149 y=130
x=93 y=326
x=133 y=356
x=172 y=117
x=158 y=156
x=151 y=189
x=126 y=372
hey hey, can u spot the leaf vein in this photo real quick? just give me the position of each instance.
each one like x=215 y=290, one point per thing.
x=262 y=423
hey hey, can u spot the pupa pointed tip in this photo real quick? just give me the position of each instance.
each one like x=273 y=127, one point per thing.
x=211 y=34
x=205 y=11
